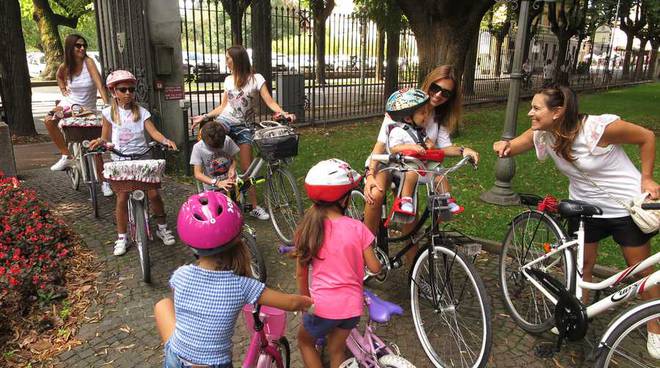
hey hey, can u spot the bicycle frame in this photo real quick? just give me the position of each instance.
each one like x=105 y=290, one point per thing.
x=260 y=346
x=575 y=268
x=367 y=347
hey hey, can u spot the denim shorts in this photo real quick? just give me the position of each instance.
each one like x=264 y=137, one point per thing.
x=173 y=361
x=320 y=327
x=239 y=133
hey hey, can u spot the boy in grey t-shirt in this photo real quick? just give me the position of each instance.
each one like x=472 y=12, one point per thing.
x=214 y=158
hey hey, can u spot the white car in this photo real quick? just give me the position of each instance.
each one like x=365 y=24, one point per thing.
x=36 y=63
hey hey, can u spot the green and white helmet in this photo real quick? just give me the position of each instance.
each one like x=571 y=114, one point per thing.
x=404 y=102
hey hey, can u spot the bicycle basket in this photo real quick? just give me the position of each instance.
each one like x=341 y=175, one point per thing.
x=127 y=176
x=81 y=128
x=277 y=142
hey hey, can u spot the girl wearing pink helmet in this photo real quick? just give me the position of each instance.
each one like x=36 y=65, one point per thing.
x=197 y=323
x=124 y=125
x=337 y=248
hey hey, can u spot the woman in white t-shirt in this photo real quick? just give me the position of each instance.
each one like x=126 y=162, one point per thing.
x=237 y=108
x=588 y=148
x=445 y=101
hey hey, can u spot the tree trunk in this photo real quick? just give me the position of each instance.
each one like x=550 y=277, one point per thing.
x=639 y=69
x=261 y=39
x=577 y=53
x=498 y=56
x=50 y=37
x=628 y=56
x=392 y=70
x=653 y=60
x=561 y=74
x=470 y=66
x=319 y=43
x=236 y=10
x=380 y=53
x=14 y=77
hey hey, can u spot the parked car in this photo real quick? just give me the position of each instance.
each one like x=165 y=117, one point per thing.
x=280 y=63
x=96 y=57
x=36 y=63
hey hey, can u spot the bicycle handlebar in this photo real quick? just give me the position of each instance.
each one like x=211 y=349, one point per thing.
x=399 y=158
x=110 y=148
x=651 y=206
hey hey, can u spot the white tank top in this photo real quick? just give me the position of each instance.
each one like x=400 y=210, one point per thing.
x=83 y=90
x=128 y=136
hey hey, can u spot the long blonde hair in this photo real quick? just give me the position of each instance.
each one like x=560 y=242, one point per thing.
x=114 y=111
x=449 y=113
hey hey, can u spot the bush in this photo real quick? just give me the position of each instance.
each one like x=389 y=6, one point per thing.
x=33 y=247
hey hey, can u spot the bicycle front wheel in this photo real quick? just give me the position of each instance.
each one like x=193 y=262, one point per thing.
x=450 y=308
x=356 y=203
x=90 y=169
x=73 y=171
x=257 y=264
x=530 y=236
x=284 y=203
x=141 y=240
x=626 y=345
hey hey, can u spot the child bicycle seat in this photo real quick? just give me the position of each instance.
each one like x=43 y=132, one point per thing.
x=380 y=310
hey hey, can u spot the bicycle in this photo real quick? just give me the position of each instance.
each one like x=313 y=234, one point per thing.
x=445 y=287
x=542 y=282
x=136 y=176
x=369 y=350
x=268 y=347
x=77 y=129
x=248 y=234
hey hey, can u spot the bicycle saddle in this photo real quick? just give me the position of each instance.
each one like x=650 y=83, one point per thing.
x=573 y=208
x=381 y=310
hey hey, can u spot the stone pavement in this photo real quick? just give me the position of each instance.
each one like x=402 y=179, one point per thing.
x=126 y=335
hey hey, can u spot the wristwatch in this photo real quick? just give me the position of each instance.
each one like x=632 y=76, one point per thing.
x=214 y=181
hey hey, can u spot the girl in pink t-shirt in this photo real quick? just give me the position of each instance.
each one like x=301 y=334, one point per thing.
x=336 y=248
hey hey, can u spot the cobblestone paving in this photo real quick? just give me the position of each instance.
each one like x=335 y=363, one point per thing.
x=126 y=335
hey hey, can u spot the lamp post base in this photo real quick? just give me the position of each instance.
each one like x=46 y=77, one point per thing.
x=501 y=194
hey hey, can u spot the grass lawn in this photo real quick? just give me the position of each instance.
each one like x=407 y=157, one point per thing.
x=482 y=126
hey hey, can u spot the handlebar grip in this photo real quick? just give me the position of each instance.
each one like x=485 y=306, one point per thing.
x=651 y=206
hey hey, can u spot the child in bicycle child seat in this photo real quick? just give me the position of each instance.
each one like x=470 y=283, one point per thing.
x=198 y=322
x=336 y=247
x=214 y=158
x=124 y=125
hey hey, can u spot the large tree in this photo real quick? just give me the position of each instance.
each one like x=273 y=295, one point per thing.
x=48 y=22
x=321 y=10
x=498 y=22
x=566 y=18
x=654 y=37
x=236 y=10
x=262 y=39
x=14 y=78
x=632 y=19
x=443 y=29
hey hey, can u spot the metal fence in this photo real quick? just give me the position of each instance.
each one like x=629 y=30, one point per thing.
x=353 y=85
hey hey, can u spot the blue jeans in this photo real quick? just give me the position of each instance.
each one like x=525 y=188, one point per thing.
x=173 y=361
x=239 y=133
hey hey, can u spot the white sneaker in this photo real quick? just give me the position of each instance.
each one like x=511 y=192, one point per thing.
x=120 y=247
x=407 y=205
x=260 y=213
x=653 y=345
x=105 y=188
x=166 y=236
x=62 y=164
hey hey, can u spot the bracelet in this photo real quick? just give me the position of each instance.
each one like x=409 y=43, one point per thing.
x=214 y=181
x=461 y=149
x=165 y=141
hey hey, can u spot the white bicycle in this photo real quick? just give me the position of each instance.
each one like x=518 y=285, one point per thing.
x=541 y=276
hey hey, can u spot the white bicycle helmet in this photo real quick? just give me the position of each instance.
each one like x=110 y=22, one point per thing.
x=330 y=180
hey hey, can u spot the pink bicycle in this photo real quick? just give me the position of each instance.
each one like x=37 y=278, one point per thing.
x=268 y=348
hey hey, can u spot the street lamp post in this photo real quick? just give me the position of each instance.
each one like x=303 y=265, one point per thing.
x=505 y=168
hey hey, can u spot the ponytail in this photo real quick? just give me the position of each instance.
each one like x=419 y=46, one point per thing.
x=569 y=123
x=310 y=232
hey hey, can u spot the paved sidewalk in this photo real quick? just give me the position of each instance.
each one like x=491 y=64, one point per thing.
x=126 y=335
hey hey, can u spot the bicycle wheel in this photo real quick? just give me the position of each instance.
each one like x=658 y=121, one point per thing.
x=284 y=203
x=257 y=264
x=285 y=350
x=451 y=309
x=90 y=169
x=355 y=208
x=394 y=361
x=74 y=171
x=141 y=239
x=528 y=237
x=625 y=346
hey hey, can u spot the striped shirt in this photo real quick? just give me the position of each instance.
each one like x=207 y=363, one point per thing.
x=207 y=304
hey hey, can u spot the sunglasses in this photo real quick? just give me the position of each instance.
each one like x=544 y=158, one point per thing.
x=126 y=89
x=446 y=93
x=81 y=45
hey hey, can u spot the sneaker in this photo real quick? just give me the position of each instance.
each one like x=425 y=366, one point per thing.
x=454 y=207
x=260 y=213
x=166 y=236
x=62 y=164
x=653 y=345
x=105 y=188
x=350 y=363
x=120 y=247
x=407 y=205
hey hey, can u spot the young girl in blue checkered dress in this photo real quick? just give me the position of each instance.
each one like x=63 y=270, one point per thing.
x=197 y=324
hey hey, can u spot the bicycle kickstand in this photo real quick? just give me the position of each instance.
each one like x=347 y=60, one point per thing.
x=548 y=349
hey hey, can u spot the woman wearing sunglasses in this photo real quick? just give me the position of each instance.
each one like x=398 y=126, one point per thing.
x=445 y=108
x=79 y=81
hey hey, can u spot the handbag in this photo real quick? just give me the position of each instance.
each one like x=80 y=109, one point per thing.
x=648 y=221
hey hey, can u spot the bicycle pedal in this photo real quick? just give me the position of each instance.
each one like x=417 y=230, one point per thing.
x=545 y=350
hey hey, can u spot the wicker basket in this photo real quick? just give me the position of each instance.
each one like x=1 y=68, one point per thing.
x=79 y=133
x=127 y=186
x=277 y=142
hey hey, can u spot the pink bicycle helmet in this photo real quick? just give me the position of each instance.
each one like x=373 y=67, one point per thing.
x=330 y=180
x=119 y=76
x=209 y=222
